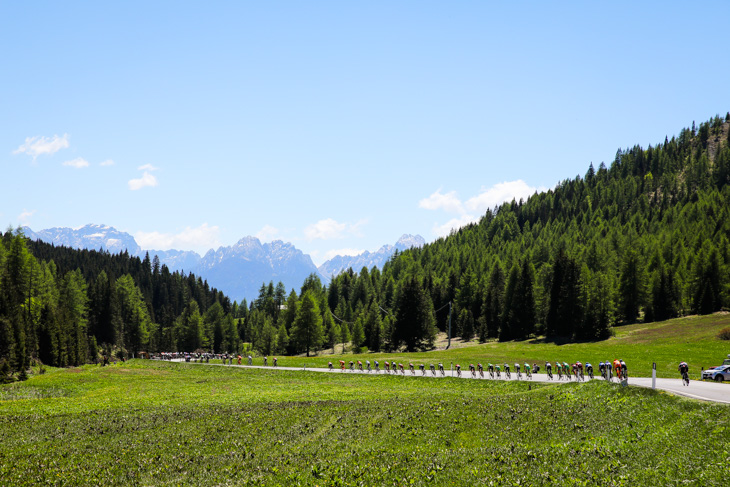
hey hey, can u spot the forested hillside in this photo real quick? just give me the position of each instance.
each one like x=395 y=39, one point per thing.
x=65 y=306
x=645 y=238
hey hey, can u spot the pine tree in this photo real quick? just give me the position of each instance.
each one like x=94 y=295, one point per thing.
x=415 y=326
x=307 y=329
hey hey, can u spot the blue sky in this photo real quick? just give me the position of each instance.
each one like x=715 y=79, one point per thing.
x=337 y=126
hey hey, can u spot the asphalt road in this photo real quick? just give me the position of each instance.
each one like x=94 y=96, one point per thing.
x=704 y=391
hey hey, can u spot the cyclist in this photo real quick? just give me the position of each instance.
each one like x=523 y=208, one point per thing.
x=517 y=369
x=266 y=360
x=377 y=367
x=624 y=372
x=609 y=370
x=342 y=365
x=387 y=367
x=549 y=369
x=589 y=370
x=506 y=371
x=329 y=365
x=367 y=363
x=239 y=360
x=602 y=369
x=250 y=360
x=352 y=366
x=423 y=369
x=400 y=366
x=528 y=371
x=276 y=361
x=472 y=370
x=559 y=368
x=441 y=368
x=566 y=371
x=458 y=370
x=579 y=365
x=411 y=368
x=481 y=370
x=535 y=368
x=497 y=369
x=359 y=365
x=433 y=369
x=617 y=368
x=684 y=370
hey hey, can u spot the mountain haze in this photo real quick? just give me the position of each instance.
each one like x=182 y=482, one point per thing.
x=368 y=259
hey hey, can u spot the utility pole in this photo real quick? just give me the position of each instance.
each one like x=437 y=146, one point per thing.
x=449 y=344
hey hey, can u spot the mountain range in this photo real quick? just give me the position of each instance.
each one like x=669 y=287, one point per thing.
x=237 y=270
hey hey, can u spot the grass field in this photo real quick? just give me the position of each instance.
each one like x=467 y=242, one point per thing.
x=154 y=423
x=691 y=339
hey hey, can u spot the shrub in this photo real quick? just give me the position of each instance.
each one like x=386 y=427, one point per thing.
x=724 y=334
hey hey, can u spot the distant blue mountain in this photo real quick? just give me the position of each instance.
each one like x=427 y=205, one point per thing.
x=367 y=259
x=238 y=270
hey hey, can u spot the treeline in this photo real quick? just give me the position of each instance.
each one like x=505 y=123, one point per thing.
x=65 y=306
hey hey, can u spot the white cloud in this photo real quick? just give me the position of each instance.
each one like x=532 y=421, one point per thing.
x=267 y=233
x=108 y=162
x=199 y=239
x=476 y=205
x=325 y=230
x=500 y=193
x=449 y=202
x=453 y=224
x=38 y=145
x=147 y=179
x=78 y=163
x=25 y=216
x=148 y=167
x=334 y=252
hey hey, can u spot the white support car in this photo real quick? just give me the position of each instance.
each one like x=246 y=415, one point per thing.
x=718 y=374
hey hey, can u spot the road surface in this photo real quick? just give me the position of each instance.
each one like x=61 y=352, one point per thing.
x=704 y=391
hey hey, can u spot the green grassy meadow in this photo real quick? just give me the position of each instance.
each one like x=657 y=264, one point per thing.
x=691 y=339
x=155 y=423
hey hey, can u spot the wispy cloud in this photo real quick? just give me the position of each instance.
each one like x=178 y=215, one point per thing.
x=24 y=217
x=267 y=233
x=148 y=167
x=38 y=145
x=454 y=224
x=499 y=193
x=329 y=229
x=437 y=201
x=475 y=206
x=78 y=163
x=325 y=230
x=147 y=179
x=108 y=162
x=199 y=239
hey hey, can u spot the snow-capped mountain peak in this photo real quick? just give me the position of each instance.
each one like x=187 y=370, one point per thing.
x=368 y=259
